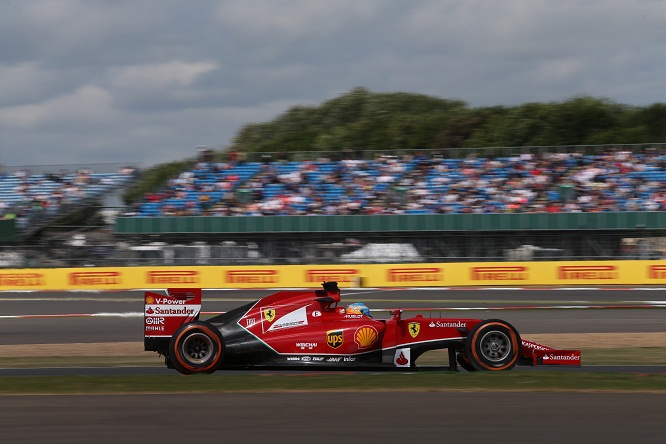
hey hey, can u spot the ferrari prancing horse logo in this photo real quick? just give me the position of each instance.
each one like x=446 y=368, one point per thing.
x=414 y=329
x=269 y=314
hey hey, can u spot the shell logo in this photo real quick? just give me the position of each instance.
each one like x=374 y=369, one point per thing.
x=365 y=336
x=150 y=300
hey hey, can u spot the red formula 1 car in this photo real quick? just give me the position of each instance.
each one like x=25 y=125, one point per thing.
x=308 y=329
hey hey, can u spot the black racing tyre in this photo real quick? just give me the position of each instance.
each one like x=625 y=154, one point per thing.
x=493 y=345
x=196 y=347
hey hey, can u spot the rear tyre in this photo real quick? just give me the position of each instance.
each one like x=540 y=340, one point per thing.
x=196 y=347
x=493 y=345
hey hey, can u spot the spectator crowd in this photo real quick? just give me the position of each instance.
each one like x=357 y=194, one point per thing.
x=31 y=198
x=610 y=181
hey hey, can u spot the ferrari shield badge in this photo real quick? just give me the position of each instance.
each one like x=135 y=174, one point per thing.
x=269 y=314
x=414 y=329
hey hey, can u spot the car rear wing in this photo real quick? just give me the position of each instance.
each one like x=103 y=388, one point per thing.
x=540 y=354
x=163 y=314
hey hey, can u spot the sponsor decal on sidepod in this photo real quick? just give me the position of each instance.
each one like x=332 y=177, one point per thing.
x=365 y=336
x=335 y=338
x=295 y=318
x=441 y=324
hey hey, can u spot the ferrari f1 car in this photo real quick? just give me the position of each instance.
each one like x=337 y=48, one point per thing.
x=309 y=329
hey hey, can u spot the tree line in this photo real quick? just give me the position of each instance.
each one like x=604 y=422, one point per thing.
x=404 y=121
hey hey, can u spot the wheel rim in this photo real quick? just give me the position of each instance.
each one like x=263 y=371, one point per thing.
x=197 y=348
x=495 y=346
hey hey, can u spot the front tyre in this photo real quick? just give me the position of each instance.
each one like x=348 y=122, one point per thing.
x=493 y=345
x=196 y=347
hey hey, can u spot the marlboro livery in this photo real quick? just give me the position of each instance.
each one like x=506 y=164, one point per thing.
x=309 y=329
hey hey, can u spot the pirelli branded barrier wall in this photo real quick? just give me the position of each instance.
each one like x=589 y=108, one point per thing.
x=385 y=275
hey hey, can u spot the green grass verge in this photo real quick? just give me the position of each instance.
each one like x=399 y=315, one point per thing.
x=150 y=359
x=220 y=383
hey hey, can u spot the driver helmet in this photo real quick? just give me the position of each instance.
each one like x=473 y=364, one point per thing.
x=359 y=308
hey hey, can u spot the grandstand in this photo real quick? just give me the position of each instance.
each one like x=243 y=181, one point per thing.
x=34 y=200
x=618 y=180
x=419 y=206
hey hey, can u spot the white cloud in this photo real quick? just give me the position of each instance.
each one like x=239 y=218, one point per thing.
x=174 y=73
x=89 y=104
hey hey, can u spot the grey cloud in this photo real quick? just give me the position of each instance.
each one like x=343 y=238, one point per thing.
x=147 y=81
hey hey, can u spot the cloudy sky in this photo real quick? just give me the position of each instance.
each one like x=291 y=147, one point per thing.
x=92 y=81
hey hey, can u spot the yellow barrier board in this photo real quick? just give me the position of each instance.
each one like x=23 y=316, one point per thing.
x=490 y=274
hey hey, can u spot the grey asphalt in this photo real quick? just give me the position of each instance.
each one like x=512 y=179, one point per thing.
x=354 y=417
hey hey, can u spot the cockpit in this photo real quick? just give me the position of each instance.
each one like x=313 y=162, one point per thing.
x=329 y=296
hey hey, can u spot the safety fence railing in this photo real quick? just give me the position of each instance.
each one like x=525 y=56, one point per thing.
x=86 y=249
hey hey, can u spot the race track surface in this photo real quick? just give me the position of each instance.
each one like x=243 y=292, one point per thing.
x=119 y=313
x=354 y=417
x=112 y=317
